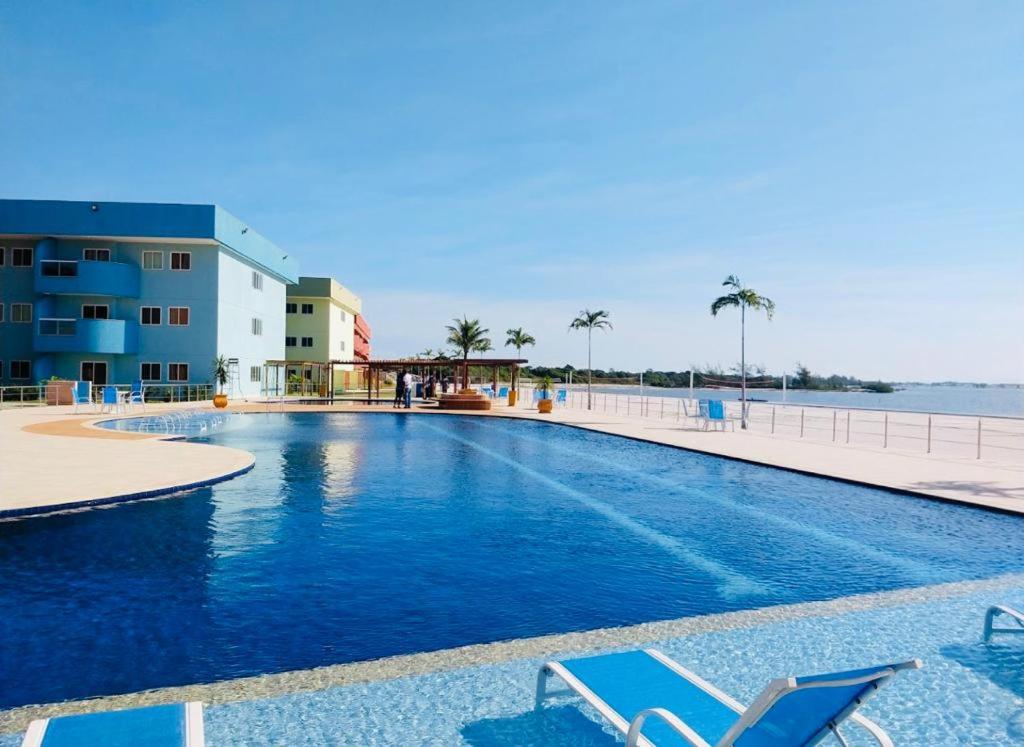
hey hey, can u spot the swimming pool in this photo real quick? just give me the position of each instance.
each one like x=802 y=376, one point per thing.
x=358 y=536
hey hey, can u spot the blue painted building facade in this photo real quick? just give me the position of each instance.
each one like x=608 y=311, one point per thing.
x=114 y=292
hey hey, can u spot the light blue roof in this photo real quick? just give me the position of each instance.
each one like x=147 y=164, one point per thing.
x=60 y=218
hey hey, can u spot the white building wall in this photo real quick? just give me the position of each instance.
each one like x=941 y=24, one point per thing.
x=238 y=304
x=342 y=331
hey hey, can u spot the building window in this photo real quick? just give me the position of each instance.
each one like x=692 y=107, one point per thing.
x=289 y=342
x=343 y=315
x=177 y=316
x=254 y=374
x=21 y=312
x=181 y=260
x=1 y=312
x=21 y=256
x=291 y=308
x=307 y=342
x=342 y=346
x=149 y=316
x=257 y=280
x=149 y=371
x=93 y=254
x=2 y=253
x=152 y=260
x=257 y=326
x=59 y=268
x=95 y=311
x=177 y=372
x=1 y=362
x=57 y=327
x=307 y=308
x=21 y=369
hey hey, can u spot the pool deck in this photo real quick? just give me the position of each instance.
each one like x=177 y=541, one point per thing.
x=54 y=460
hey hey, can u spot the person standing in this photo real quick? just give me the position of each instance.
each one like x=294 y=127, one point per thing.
x=407 y=379
x=399 y=389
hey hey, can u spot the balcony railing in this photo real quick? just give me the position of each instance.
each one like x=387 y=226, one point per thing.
x=87 y=277
x=110 y=336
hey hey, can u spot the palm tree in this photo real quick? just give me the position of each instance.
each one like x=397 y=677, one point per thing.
x=590 y=320
x=467 y=337
x=518 y=339
x=744 y=298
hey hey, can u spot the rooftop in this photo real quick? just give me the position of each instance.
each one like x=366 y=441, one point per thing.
x=145 y=221
x=310 y=287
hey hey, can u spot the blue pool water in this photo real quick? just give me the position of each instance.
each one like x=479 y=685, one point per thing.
x=361 y=536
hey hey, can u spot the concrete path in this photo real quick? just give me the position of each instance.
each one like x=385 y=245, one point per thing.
x=49 y=457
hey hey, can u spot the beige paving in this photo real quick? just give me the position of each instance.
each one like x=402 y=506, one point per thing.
x=51 y=457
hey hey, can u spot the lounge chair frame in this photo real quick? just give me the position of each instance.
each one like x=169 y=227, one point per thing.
x=194 y=732
x=747 y=717
x=1001 y=609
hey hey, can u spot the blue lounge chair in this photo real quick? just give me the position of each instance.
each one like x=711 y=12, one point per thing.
x=712 y=413
x=1016 y=616
x=111 y=401
x=178 y=725
x=81 y=395
x=137 y=395
x=503 y=392
x=560 y=397
x=630 y=688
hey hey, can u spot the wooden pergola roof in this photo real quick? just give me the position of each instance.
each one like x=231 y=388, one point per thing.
x=430 y=362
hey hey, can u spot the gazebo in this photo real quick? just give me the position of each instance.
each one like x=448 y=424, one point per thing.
x=375 y=369
x=316 y=378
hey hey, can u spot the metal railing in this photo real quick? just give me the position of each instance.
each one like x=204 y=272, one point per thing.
x=35 y=394
x=990 y=437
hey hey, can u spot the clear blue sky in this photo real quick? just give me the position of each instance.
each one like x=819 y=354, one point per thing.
x=860 y=163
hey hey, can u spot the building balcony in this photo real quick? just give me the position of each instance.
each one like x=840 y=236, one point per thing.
x=107 y=336
x=87 y=278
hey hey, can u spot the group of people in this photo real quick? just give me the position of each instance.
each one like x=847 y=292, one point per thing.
x=404 y=387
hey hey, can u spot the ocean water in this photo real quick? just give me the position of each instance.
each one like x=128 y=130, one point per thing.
x=959 y=400
x=358 y=536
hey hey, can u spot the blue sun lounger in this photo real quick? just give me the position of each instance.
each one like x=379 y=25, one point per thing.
x=1016 y=616
x=81 y=395
x=632 y=688
x=177 y=725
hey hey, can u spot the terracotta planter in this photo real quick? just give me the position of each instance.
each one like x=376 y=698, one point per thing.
x=512 y=397
x=545 y=405
x=220 y=400
x=59 y=392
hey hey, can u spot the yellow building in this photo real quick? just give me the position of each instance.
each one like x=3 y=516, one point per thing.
x=321 y=324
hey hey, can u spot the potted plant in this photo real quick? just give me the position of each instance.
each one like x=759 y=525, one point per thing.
x=220 y=378
x=546 y=403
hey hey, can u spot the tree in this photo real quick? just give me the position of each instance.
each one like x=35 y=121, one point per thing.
x=590 y=320
x=803 y=377
x=744 y=298
x=467 y=337
x=220 y=370
x=518 y=339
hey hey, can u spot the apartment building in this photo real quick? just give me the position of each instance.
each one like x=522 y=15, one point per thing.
x=111 y=292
